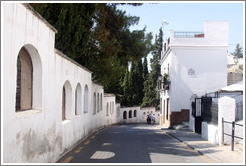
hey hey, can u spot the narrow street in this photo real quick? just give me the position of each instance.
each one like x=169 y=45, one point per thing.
x=136 y=143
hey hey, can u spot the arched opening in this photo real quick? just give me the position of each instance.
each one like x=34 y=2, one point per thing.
x=98 y=103
x=112 y=107
x=124 y=115
x=29 y=79
x=86 y=96
x=101 y=103
x=67 y=101
x=94 y=103
x=63 y=103
x=135 y=113
x=24 y=81
x=118 y=111
x=107 y=110
x=144 y=115
x=78 y=100
x=130 y=114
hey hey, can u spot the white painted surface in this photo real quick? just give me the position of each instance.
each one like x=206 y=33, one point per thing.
x=140 y=116
x=205 y=57
x=234 y=87
x=40 y=135
x=210 y=132
x=226 y=108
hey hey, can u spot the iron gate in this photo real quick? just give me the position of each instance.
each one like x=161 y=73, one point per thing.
x=196 y=112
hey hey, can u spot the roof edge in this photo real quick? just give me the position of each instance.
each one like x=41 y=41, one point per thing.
x=34 y=12
x=71 y=60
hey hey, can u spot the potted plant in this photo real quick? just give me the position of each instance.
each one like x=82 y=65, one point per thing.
x=166 y=82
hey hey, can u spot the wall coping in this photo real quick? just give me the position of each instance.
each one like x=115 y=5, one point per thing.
x=34 y=12
x=109 y=95
x=71 y=60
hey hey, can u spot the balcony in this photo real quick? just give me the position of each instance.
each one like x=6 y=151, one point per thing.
x=188 y=35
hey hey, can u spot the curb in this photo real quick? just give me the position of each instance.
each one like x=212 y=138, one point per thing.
x=67 y=151
x=184 y=142
x=191 y=147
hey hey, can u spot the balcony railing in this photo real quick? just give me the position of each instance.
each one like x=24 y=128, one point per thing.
x=188 y=34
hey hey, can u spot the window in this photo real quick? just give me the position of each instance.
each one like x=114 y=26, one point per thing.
x=118 y=111
x=135 y=113
x=63 y=103
x=29 y=79
x=110 y=108
x=167 y=109
x=101 y=103
x=98 y=102
x=86 y=92
x=94 y=103
x=24 y=81
x=66 y=101
x=124 y=115
x=107 y=110
x=130 y=114
x=78 y=99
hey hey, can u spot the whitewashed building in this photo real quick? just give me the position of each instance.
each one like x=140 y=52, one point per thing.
x=192 y=63
x=49 y=102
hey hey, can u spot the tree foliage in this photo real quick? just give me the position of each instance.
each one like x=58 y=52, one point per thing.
x=238 y=52
x=133 y=85
x=152 y=96
x=97 y=36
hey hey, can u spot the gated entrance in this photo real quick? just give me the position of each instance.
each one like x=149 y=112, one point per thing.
x=204 y=109
x=196 y=112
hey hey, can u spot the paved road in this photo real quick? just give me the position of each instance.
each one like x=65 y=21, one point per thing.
x=132 y=144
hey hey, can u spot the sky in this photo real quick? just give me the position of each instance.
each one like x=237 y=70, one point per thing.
x=189 y=16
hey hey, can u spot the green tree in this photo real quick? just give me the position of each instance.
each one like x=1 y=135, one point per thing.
x=151 y=94
x=139 y=82
x=238 y=52
x=98 y=37
x=145 y=68
x=125 y=87
x=73 y=23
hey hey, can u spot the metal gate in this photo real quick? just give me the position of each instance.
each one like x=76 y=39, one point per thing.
x=196 y=112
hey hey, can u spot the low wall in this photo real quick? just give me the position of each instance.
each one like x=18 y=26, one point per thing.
x=127 y=114
x=178 y=117
x=210 y=132
x=66 y=104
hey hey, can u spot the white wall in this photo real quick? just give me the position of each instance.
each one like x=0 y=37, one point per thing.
x=207 y=57
x=40 y=134
x=227 y=107
x=140 y=118
x=215 y=35
x=110 y=118
x=210 y=74
x=210 y=132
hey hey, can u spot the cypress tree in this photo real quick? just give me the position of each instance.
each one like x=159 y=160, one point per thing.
x=125 y=87
x=152 y=96
x=140 y=82
x=145 y=68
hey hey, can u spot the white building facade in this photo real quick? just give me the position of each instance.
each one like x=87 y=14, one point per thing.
x=193 y=63
x=49 y=102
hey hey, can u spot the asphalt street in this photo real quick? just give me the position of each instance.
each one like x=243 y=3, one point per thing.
x=136 y=143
